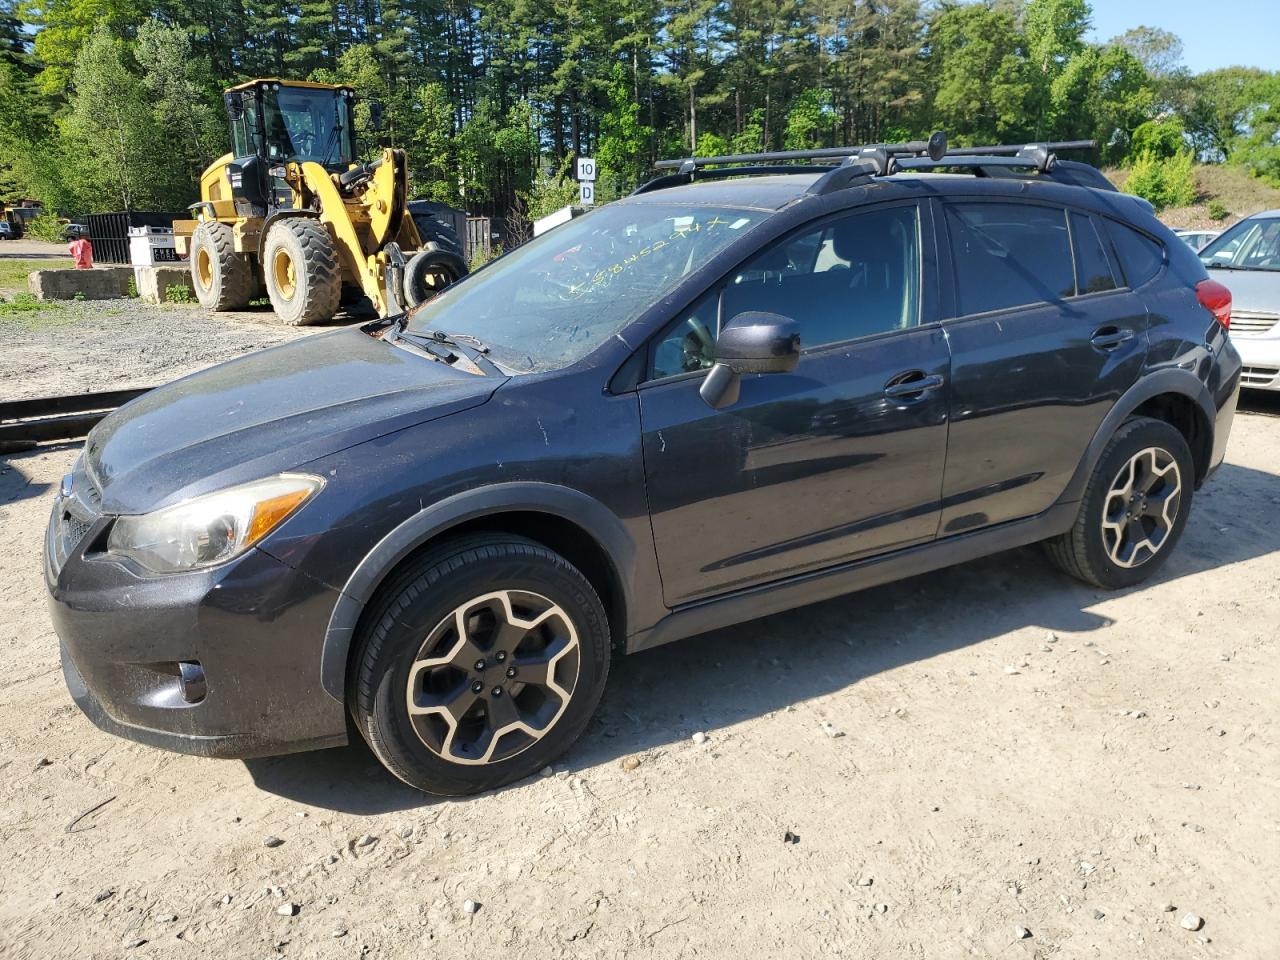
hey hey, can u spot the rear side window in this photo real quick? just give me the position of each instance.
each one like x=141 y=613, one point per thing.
x=1093 y=270
x=1009 y=255
x=1140 y=257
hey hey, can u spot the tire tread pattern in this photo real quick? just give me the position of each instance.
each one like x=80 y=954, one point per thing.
x=234 y=281
x=319 y=283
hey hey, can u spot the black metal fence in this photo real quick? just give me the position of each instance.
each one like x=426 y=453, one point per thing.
x=109 y=232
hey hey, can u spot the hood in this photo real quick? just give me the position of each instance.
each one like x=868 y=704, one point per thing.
x=1251 y=290
x=266 y=412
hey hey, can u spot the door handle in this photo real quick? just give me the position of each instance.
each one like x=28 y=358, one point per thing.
x=1108 y=338
x=912 y=385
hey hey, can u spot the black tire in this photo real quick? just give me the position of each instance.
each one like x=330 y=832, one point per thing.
x=428 y=273
x=222 y=278
x=423 y=599
x=1085 y=551
x=301 y=271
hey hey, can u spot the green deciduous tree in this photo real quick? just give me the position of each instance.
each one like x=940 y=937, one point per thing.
x=110 y=134
x=983 y=82
x=811 y=117
x=185 y=108
x=624 y=144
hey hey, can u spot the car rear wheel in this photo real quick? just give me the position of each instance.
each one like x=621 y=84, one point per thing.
x=1134 y=508
x=481 y=664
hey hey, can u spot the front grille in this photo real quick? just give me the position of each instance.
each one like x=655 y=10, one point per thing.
x=1251 y=324
x=73 y=530
x=74 y=516
x=1258 y=376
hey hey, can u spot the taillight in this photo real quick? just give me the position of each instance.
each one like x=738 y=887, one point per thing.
x=1215 y=298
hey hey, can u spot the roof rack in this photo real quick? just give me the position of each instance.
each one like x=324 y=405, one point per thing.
x=845 y=166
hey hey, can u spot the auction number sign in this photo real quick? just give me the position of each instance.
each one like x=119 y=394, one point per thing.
x=586 y=181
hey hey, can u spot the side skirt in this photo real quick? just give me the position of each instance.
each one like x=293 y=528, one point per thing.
x=761 y=601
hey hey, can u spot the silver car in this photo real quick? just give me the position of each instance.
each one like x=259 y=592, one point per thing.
x=1246 y=258
x=1196 y=239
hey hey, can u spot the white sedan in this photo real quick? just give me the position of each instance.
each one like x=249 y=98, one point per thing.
x=1246 y=258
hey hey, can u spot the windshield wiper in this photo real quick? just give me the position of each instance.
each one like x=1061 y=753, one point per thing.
x=435 y=340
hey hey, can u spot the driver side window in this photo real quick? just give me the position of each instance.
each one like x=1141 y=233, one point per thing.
x=851 y=276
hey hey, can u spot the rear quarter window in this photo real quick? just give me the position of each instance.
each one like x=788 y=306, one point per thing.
x=1140 y=257
x=1093 y=269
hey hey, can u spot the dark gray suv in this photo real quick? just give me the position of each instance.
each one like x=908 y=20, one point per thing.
x=738 y=391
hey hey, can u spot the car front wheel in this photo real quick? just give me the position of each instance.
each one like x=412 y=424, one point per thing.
x=1134 y=508
x=481 y=664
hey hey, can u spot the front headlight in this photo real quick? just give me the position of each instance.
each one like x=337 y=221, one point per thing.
x=211 y=529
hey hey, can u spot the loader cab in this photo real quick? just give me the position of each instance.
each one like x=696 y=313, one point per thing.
x=293 y=122
x=274 y=123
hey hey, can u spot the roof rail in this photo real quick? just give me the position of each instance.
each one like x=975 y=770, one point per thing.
x=935 y=146
x=860 y=163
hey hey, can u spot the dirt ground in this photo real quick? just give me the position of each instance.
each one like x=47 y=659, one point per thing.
x=80 y=347
x=955 y=757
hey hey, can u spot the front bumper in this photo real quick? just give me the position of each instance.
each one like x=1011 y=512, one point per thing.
x=254 y=626
x=1261 y=359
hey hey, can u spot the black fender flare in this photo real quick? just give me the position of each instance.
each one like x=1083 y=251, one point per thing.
x=571 y=505
x=285 y=214
x=1177 y=380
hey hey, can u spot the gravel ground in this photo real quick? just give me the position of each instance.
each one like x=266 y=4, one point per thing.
x=990 y=760
x=82 y=347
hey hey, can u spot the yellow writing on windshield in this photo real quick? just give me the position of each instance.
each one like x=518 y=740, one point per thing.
x=605 y=275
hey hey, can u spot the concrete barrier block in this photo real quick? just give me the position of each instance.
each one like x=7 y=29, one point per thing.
x=154 y=281
x=100 y=283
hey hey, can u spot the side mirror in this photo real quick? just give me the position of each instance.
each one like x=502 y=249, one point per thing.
x=752 y=342
x=375 y=114
x=235 y=106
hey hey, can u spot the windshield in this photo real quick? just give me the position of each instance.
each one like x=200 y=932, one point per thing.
x=551 y=301
x=1249 y=245
x=307 y=124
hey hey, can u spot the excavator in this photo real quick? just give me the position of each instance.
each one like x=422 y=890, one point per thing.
x=293 y=211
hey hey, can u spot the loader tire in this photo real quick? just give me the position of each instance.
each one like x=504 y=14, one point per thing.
x=303 y=278
x=428 y=273
x=223 y=279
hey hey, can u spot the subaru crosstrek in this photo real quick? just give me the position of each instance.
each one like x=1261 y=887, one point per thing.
x=717 y=399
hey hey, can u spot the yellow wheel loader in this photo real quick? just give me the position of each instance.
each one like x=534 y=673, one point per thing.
x=291 y=211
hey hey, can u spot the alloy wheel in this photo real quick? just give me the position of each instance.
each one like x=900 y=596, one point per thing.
x=493 y=677
x=1141 y=507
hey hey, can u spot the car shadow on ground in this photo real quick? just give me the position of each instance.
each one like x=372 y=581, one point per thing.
x=16 y=482
x=1263 y=402
x=662 y=696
